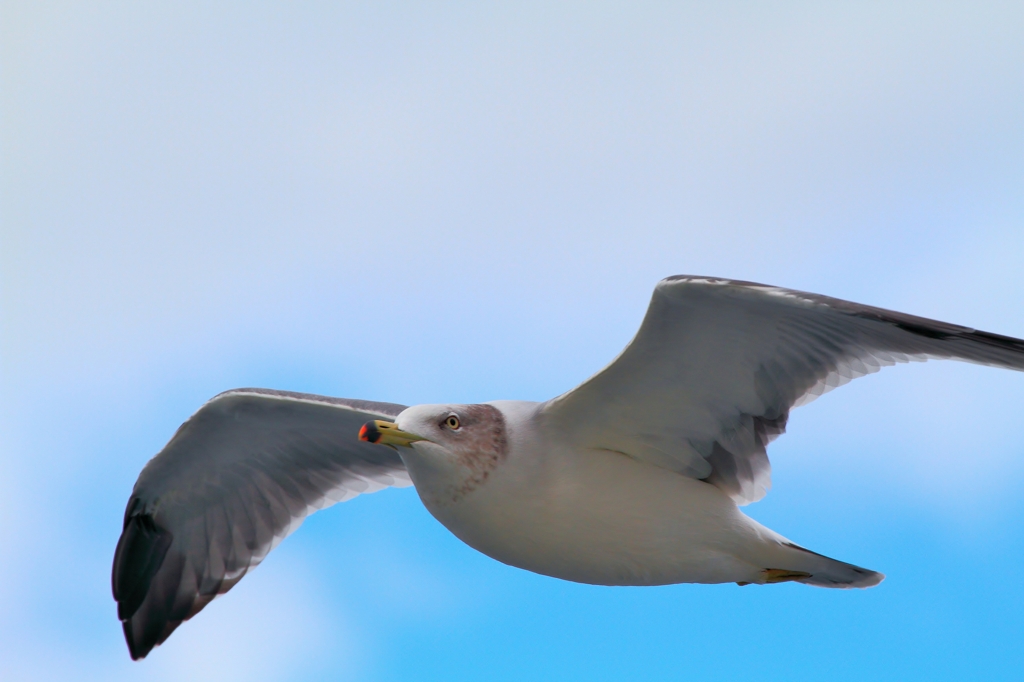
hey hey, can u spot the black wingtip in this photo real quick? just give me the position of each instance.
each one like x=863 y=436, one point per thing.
x=139 y=555
x=136 y=651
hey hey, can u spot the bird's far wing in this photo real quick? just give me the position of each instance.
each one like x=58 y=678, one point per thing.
x=238 y=476
x=711 y=375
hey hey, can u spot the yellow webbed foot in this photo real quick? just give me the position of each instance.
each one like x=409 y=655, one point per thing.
x=781 y=575
x=776 y=575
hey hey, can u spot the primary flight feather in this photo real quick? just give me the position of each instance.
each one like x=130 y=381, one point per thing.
x=632 y=478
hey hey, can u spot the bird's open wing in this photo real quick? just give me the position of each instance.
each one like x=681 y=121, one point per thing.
x=237 y=477
x=709 y=379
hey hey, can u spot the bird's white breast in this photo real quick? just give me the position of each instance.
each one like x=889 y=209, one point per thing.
x=591 y=515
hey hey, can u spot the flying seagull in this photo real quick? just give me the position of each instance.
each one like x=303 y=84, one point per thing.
x=635 y=477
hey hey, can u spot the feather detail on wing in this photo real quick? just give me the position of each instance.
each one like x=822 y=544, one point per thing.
x=717 y=364
x=238 y=477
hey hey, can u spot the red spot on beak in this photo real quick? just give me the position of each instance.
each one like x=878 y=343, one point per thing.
x=369 y=433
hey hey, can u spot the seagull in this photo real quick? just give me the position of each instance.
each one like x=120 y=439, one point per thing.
x=634 y=477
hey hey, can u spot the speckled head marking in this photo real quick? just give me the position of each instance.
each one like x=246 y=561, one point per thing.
x=453 y=449
x=480 y=442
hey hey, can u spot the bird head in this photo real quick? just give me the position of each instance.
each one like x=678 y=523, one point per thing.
x=450 y=450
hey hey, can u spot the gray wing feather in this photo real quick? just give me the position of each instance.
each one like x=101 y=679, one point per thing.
x=238 y=477
x=717 y=364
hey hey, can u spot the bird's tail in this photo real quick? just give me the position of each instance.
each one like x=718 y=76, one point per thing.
x=804 y=566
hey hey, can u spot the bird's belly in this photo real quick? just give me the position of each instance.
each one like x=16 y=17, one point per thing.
x=602 y=518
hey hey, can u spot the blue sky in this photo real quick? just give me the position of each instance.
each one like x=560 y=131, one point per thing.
x=425 y=203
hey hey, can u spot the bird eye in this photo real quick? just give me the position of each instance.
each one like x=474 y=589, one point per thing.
x=452 y=422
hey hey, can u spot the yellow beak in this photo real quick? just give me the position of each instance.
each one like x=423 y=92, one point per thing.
x=386 y=433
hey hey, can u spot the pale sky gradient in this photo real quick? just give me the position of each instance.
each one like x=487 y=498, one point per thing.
x=457 y=203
